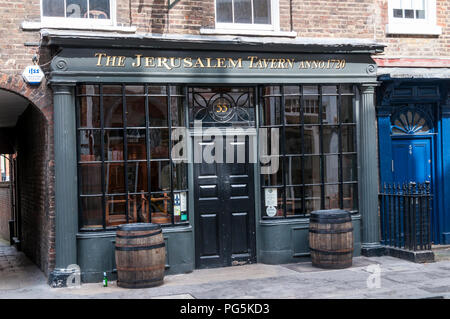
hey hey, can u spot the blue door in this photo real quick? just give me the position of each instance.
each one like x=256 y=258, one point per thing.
x=411 y=160
x=412 y=163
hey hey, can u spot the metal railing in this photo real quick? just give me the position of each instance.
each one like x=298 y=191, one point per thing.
x=405 y=211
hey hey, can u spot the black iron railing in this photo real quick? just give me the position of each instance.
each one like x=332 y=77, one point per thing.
x=405 y=211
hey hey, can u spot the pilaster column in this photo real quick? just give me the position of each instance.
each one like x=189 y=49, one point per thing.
x=66 y=203
x=368 y=204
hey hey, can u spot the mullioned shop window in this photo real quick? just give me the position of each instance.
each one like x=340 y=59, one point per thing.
x=126 y=173
x=317 y=141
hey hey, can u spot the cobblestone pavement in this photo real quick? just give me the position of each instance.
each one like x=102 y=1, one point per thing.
x=19 y=278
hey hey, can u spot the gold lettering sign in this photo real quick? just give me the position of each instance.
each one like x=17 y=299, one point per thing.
x=251 y=62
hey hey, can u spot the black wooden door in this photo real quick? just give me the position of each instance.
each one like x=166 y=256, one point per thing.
x=224 y=209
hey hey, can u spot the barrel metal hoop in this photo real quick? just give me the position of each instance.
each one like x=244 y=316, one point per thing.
x=125 y=248
x=331 y=231
x=150 y=268
x=139 y=236
x=141 y=281
x=326 y=252
x=330 y=220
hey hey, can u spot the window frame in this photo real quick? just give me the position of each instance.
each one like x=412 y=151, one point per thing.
x=414 y=26
x=284 y=186
x=79 y=22
x=125 y=161
x=273 y=26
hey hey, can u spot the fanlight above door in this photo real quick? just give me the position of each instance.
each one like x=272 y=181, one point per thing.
x=410 y=121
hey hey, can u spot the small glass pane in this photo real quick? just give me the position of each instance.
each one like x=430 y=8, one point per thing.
x=261 y=11
x=312 y=170
x=409 y=14
x=293 y=140
x=349 y=168
x=348 y=138
x=310 y=89
x=180 y=176
x=311 y=137
x=159 y=143
x=177 y=111
x=242 y=11
x=224 y=11
x=292 y=110
x=113 y=111
x=135 y=111
x=138 y=208
x=330 y=139
x=329 y=110
x=114 y=178
x=134 y=90
x=99 y=9
x=91 y=212
x=157 y=90
x=346 y=89
x=137 y=177
x=53 y=8
x=89 y=111
x=112 y=90
x=350 y=192
x=420 y=14
x=331 y=169
x=398 y=13
x=276 y=176
x=115 y=210
x=90 y=145
x=294 y=170
x=161 y=207
x=90 y=179
x=291 y=90
x=271 y=113
x=294 y=197
x=76 y=8
x=157 y=107
x=312 y=198
x=136 y=144
x=346 y=112
x=311 y=109
x=329 y=89
x=332 y=196
x=113 y=140
x=160 y=176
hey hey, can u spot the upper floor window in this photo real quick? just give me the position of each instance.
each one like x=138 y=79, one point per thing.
x=412 y=17
x=93 y=12
x=247 y=14
x=408 y=9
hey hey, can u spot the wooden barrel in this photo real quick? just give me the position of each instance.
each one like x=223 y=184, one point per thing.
x=331 y=238
x=140 y=255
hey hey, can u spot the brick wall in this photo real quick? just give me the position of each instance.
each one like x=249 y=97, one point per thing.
x=414 y=45
x=5 y=210
x=32 y=159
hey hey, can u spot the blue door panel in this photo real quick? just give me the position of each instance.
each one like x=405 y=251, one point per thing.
x=411 y=160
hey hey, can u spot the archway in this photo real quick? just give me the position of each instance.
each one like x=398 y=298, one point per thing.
x=26 y=135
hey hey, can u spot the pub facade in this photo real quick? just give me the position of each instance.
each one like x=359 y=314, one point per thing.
x=226 y=122
x=228 y=146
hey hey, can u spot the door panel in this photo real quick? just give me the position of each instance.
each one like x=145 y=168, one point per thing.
x=411 y=160
x=224 y=208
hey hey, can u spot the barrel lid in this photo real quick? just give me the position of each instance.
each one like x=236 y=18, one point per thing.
x=330 y=213
x=138 y=226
